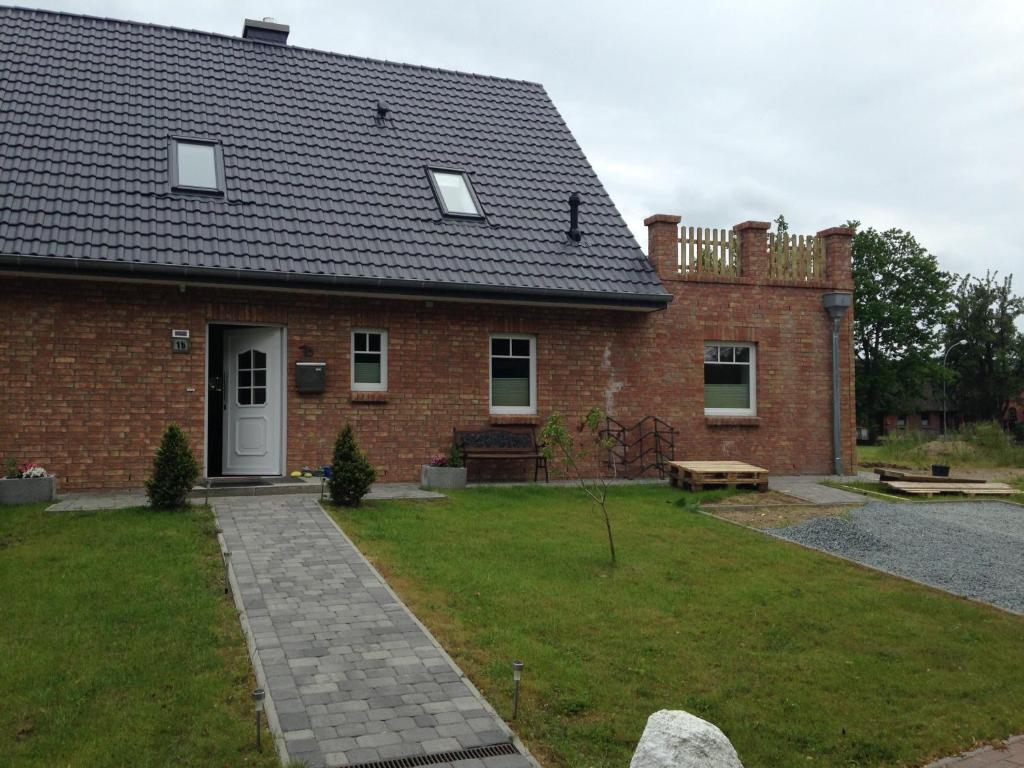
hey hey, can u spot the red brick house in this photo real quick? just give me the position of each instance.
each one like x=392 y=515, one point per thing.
x=261 y=243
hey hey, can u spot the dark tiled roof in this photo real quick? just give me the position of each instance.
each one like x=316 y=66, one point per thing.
x=316 y=189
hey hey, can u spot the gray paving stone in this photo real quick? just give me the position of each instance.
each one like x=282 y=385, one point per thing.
x=349 y=672
x=432 y=746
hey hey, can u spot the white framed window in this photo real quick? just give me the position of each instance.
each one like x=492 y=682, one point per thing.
x=369 y=360
x=730 y=379
x=455 y=193
x=925 y=420
x=513 y=361
x=197 y=166
x=901 y=422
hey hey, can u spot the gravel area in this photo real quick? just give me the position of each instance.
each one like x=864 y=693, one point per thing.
x=975 y=549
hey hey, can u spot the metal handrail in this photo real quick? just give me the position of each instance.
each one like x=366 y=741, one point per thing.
x=663 y=445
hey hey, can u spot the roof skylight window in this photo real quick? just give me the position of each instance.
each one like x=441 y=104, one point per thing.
x=196 y=166
x=455 y=193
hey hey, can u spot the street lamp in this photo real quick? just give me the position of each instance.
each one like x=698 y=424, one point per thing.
x=944 y=356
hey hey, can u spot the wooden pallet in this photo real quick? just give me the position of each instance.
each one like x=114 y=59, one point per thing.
x=696 y=475
x=969 y=489
x=888 y=473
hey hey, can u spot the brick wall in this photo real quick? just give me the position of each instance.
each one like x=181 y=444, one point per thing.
x=89 y=380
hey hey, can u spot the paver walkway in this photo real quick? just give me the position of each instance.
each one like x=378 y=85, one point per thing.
x=809 y=488
x=351 y=676
x=987 y=757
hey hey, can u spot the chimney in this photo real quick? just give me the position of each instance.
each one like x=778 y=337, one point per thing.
x=265 y=31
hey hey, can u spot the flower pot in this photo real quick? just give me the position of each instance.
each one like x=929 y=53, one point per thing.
x=442 y=477
x=28 y=490
x=940 y=470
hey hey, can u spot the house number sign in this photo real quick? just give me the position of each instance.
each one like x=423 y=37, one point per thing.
x=180 y=341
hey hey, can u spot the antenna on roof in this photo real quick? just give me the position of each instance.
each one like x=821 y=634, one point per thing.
x=574 y=218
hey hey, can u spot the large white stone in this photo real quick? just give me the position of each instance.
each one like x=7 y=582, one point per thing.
x=677 y=739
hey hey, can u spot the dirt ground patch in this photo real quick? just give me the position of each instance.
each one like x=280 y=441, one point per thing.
x=766 y=499
x=776 y=516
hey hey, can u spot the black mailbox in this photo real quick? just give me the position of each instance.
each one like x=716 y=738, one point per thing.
x=310 y=377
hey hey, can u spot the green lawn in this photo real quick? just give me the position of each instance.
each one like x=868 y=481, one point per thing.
x=118 y=646
x=869 y=454
x=800 y=658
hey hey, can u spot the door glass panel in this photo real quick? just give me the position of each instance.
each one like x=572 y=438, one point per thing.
x=251 y=386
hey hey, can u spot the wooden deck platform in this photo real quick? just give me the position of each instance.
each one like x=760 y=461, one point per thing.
x=697 y=475
x=910 y=476
x=969 y=489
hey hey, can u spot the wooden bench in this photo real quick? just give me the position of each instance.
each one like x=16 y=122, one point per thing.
x=696 y=475
x=502 y=444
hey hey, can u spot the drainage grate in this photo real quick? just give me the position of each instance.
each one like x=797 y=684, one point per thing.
x=473 y=753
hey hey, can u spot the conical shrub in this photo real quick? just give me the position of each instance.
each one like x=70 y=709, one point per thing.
x=351 y=472
x=174 y=471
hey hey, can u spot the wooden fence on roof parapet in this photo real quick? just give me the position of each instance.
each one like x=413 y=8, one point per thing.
x=800 y=258
x=709 y=251
x=704 y=251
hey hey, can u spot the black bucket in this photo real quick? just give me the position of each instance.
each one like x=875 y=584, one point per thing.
x=940 y=470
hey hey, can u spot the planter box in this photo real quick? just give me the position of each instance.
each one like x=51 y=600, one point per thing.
x=27 y=490
x=442 y=477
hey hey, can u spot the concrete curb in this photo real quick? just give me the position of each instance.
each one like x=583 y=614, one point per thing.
x=954 y=760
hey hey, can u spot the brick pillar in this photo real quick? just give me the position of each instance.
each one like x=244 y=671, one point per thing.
x=839 y=256
x=753 y=248
x=663 y=243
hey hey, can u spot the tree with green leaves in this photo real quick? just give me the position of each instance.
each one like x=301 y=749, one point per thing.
x=577 y=458
x=900 y=300
x=351 y=472
x=987 y=371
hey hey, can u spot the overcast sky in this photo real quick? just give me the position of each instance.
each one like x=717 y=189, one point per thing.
x=899 y=114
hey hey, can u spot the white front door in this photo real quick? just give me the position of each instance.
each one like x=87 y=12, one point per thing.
x=252 y=401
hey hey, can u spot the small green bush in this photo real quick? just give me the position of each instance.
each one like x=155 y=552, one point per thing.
x=174 y=471
x=351 y=472
x=456 y=458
